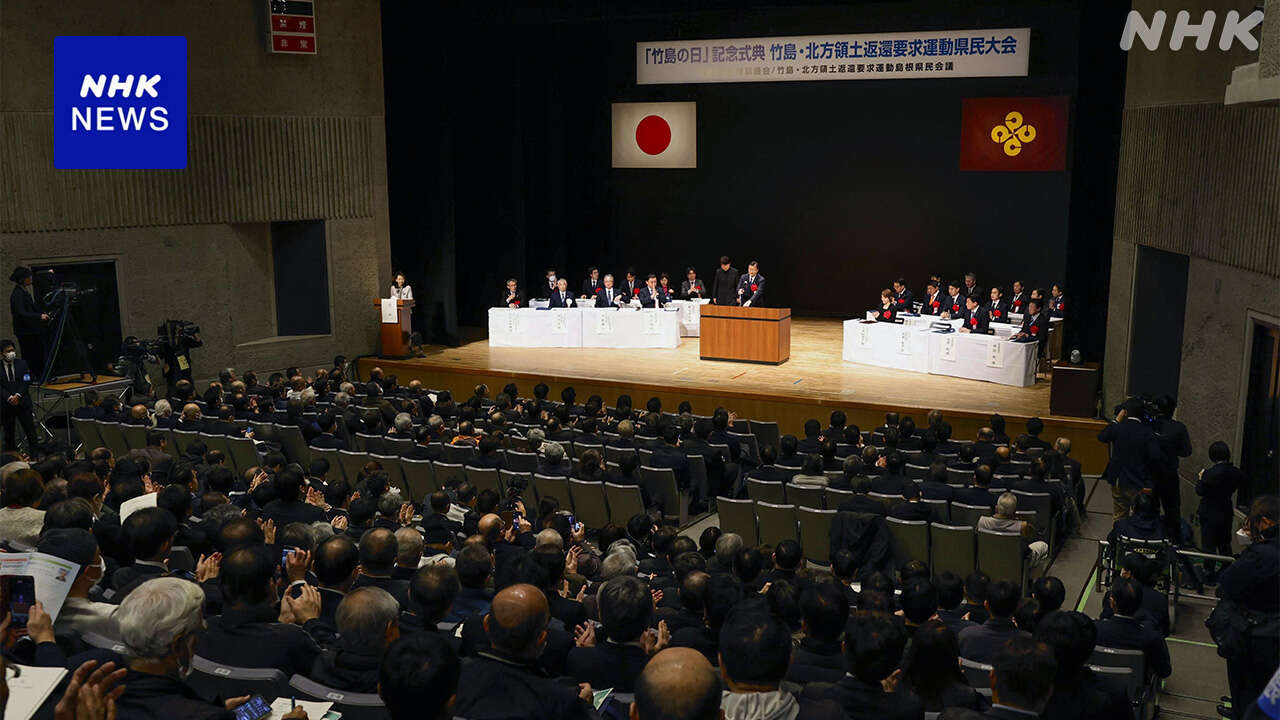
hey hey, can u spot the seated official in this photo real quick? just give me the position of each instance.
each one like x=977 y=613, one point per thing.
x=631 y=286
x=513 y=297
x=692 y=288
x=903 y=300
x=997 y=306
x=560 y=297
x=1035 y=325
x=1018 y=297
x=888 y=310
x=609 y=296
x=751 y=286
x=933 y=300
x=650 y=295
x=953 y=302
x=1057 y=302
x=591 y=284
x=976 y=318
x=664 y=284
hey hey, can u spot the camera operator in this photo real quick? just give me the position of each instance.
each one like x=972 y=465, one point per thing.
x=1133 y=448
x=177 y=339
x=131 y=363
x=1173 y=442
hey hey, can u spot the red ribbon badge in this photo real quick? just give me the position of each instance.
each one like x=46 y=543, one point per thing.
x=935 y=303
x=1035 y=329
x=637 y=291
x=955 y=308
x=973 y=321
x=886 y=314
x=1017 y=303
x=517 y=303
x=753 y=288
x=995 y=313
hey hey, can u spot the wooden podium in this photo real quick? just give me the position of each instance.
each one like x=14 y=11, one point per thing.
x=395 y=335
x=745 y=334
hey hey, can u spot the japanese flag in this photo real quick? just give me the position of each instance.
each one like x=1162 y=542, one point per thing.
x=655 y=135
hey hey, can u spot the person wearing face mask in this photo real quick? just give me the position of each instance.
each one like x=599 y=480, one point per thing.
x=160 y=624
x=549 y=289
x=15 y=397
x=79 y=614
x=1250 y=587
x=29 y=323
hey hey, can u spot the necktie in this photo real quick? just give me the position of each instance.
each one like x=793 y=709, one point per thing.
x=8 y=367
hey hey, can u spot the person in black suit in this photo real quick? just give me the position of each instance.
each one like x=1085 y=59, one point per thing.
x=650 y=294
x=609 y=296
x=979 y=493
x=548 y=289
x=873 y=647
x=1123 y=631
x=1057 y=302
x=1018 y=297
x=592 y=283
x=724 y=283
x=1172 y=442
x=692 y=288
x=1021 y=680
x=903 y=300
x=378 y=550
x=976 y=318
x=997 y=306
x=953 y=303
x=862 y=502
x=290 y=505
x=912 y=509
x=1035 y=325
x=971 y=286
x=751 y=286
x=1216 y=485
x=986 y=642
x=934 y=486
x=933 y=300
x=561 y=298
x=892 y=482
x=148 y=536
x=513 y=297
x=328 y=437
x=626 y=608
x=818 y=657
x=29 y=323
x=669 y=455
x=888 y=310
x=630 y=286
x=1132 y=446
x=1078 y=692
x=15 y=397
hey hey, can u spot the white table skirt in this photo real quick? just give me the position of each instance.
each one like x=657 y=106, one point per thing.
x=978 y=357
x=690 y=316
x=584 y=327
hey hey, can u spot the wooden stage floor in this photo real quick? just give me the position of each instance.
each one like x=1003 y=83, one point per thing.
x=811 y=384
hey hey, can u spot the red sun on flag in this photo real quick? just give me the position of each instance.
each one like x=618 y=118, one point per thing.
x=655 y=135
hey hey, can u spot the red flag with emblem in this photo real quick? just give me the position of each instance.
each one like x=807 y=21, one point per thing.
x=1014 y=134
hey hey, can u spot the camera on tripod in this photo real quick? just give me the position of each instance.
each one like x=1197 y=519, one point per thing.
x=174 y=335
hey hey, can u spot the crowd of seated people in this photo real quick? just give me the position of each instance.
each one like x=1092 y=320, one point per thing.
x=481 y=605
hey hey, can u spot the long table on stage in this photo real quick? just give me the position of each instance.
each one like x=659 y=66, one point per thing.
x=587 y=327
x=913 y=346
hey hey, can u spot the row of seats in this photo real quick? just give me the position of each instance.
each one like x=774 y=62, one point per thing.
x=119 y=438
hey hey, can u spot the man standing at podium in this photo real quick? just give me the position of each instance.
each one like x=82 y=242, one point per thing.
x=722 y=285
x=561 y=298
x=751 y=287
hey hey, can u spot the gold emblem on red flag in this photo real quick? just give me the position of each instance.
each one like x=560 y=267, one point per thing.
x=1013 y=134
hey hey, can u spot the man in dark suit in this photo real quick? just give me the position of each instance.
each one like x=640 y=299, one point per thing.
x=692 y=288
x=913 y=508
x=997 y=306
x=1123 y=630
x=670 y=455
x=336 y=562
x=15 y=397
x=950 y=602
x=1133 y=445
x=1018 y=297
x=976 y=318
x=903 y=300
x=818 y=657
x=985 y=643
x=724 y=283
x=328 y=437
x=979 y=493
x=893 y=482
x=616 y=659
x=378 y=550
x=933 y=300
x=971 y=286
x=561 y=298
x=712 y=458
x=290 y=505
x=1173 y=442
x=630 y=286
x=1078 y=692
x=862 y=502
x=751 y=287
x=767 y=471
x=1035 y=325
x=1022 y=680
x=1216 y=485
x=609 y=296
x=29 y=323
x=592 y=283
x=148 y=536
x=549 y=288
x=223 y=423
x=934 y=486
x=650 y=295
x=953 y=303
x=873 y=648
x=513 y=297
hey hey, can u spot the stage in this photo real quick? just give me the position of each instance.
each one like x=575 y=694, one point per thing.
x=811 y=384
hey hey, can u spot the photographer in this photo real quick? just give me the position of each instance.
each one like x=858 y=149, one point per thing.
x=177 y=337
x=131 y=363
x=1133 y=448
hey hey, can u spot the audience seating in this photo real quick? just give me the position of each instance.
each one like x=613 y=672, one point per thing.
x=459 y=454
x=910 y=540
x=889 y=501
x=352 y=463
x=419 y=478
x=763 y=491
x=395 y=473
x=353 y=706
x=1001 y=556
x=739 y=516
x=836 y=497
x=977 y=674
x=211 y=680
x=968 y=515
x=554 y=486
x=135 y=436
x=589 y=503
x=766 y=433
x=625 y=502
x=952 y=548
x=959 y=477
x=449 y=474
x=917 y=472
x=810 y=496
x=776 y=523
x=484 y=479
x=661 y=482
x=940 y=510
x=815 y=535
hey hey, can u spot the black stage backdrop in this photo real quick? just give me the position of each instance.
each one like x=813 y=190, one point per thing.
x=499 y=158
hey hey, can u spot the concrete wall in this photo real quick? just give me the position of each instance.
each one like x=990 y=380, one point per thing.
x=271 y=137
x=1200 y=179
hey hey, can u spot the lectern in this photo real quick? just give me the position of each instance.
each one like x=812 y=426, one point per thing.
x=745 y=334
x=395 y=335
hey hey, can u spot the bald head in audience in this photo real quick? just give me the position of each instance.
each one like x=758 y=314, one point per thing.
x=517 y=621
x=490 y=527
x=677 y=684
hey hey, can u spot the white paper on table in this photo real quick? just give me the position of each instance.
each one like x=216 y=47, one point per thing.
x=315 y=710
x=690 y=313
x=604 y=323
x=652 y=326
x=53 y=576
x=864 y=335
x=389 y=312
x=995 y=353
x=29 y=690
x=904 y=343
x=948 y=350
x=559 y=323
x=129 y=507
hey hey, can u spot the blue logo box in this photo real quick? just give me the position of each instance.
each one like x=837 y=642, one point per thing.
x=120 y=102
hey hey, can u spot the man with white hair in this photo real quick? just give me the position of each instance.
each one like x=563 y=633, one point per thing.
x=164 y=414
x=549 y=538
x=159 y=624
x=1005 y=520
x=368 y=621
x=409 y=545
x=402 y=426
x=727 y=547
x=552 y=462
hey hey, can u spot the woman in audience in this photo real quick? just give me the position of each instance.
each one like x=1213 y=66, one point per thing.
x=591 y=467
x=21 y=517
x=931 y=670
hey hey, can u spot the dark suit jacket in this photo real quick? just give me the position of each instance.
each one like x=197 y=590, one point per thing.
x=25 y=313
x=20 y=385
x=399 y=589
x=1128 y=633
x=603 y=301
x=1174 y=442
x=930 y=490
x=977 y=321
x=1085 y=695
x=911 y=511
x=562 y=301
x=648 y=299
x=889 y=484
x=589 y=289
x=933 y=304
x=697 y=290
x=669 y=456
x=723 y=286
x=284 y=512
x=998 y=311
x=494 y=686
x=130 y=576
x=816 y=661
x=328 y=440
x=519 y=300
x=974 y=495
x=953 y=305
x=607 y=665
x=1133 y=446
x=861 y=503
x=1036 y=327
x=904 y=301
x=983 y=643
x=159 y=697
x=886 y=314
x=1215 y=487
x=627 y=289
x=746 y=292
x=864 y=701
x=253 y=638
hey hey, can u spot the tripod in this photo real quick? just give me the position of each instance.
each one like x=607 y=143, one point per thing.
x=67 y=330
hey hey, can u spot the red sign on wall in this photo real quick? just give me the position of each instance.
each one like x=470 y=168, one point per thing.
x=293 y=26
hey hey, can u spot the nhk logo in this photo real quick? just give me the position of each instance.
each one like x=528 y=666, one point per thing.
x=1013 y=133
x=120 y=102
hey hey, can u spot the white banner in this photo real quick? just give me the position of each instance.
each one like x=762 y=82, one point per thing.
x=995 y=353
x=1002 y=52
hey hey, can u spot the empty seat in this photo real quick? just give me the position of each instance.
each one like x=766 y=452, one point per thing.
x=526 y=462
x=738 y=516
x=293 y=445
x=458 y=454
x=181 y=438
x=484 y=479
x=88 y=432
x=962 y=514
x=952 y=548
x=352 y=464
x=212 y=680
x=395 y=474
x=959 y=477
x=889 y=501
x=776 y=523
x=1133 y=660
x=625 y=501
x=977 y=674
x=353 y=706
x=835 y=498
x=939 y=510
x=335 y=463
x=910 y=540
x=766 y=433
x=554 y=486
x=449 y=475
x=661 y=484
x=616 y=454
x=766 y=491
x=395 y=446
x=419 y=478
x=589 y=503
x=815 y=533
x=113 y=438
x=135 y=436
x=368 y=442
x=243 y=452
x=1000 y=556
x=810 y=496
